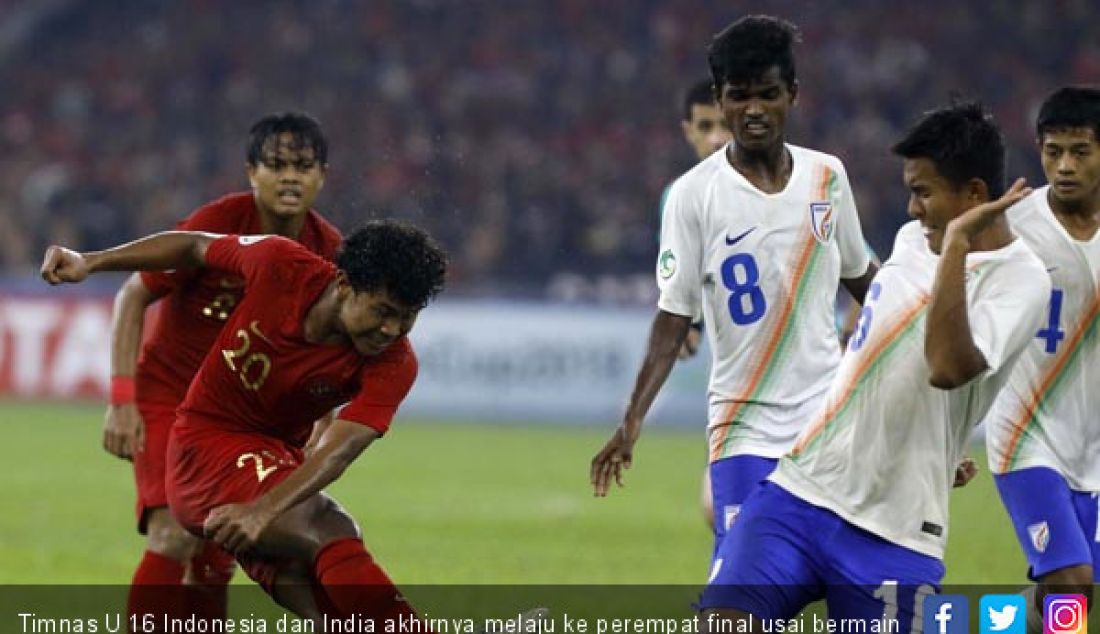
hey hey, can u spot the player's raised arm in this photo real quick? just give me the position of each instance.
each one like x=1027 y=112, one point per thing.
x=665 y=338
x=953 y=356
x=160 y=251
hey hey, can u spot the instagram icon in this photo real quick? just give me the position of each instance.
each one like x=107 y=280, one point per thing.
x=1065 y=614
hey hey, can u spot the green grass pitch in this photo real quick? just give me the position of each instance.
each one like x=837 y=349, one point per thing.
x=439 y=503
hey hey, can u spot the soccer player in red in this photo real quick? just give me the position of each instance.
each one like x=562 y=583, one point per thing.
x=286 y=165
x=306 y=337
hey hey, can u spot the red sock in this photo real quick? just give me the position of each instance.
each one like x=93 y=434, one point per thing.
x=212 y=569
x=156 y=589
x=356 y=586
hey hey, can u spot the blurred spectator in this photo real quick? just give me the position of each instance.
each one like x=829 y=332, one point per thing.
x=533 y=138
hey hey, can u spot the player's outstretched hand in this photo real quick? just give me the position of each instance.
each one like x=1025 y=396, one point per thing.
x=617 y=454
x=965 y=472
x=61 y=265
x=123 y=431
x=237 y=527
x=979 y=217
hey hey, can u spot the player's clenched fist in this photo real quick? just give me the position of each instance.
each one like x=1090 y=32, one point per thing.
x=62 y=265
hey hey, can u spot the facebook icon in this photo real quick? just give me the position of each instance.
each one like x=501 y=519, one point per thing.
x=946 y=614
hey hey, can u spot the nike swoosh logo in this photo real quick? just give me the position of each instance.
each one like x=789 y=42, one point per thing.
x=732 y=241
x=1051 y=268
x=255 y=327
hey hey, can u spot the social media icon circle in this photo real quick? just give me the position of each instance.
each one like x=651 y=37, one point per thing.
x=1065 y=614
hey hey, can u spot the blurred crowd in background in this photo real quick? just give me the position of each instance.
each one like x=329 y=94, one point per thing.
x=532 y=137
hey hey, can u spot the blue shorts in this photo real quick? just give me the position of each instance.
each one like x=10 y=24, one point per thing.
x=784 y=553
x=1055 y=525
x=731 y=481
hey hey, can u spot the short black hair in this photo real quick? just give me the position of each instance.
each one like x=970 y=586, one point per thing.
x=962 y=141
x=304 y=130
x=746 y=49
x=1070 y=107
x=396 y=257
x=700 y=93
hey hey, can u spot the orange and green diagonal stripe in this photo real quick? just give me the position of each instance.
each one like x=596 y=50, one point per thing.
x=769 y=356
x=876 y=353
x=1049 y=384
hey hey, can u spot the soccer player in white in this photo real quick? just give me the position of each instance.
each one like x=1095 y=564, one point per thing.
x=756 y=238
x=857 y=512
x=1042 y=433
x=705 y=130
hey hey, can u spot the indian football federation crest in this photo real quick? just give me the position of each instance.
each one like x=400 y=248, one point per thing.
x=821 y=221
x=1040 y=536
x=731 y=513
x=666 y=264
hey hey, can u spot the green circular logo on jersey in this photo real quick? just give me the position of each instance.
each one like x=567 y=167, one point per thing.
x=666 y=265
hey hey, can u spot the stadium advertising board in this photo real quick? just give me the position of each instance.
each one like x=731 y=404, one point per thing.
x=478 y=360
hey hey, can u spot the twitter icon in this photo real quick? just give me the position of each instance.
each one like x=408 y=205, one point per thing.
x=1003 y=614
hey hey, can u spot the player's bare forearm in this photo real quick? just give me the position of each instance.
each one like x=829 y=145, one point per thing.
x=127 y=321
x=319 y=427
x=339 y=446
x=949 y=348
x=158 y=252
x=857 y=286
x=123 y=427
x=666 y=336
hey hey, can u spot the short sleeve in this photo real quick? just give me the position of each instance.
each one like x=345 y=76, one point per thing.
x=854 y=256
x=252 y=257
x=385 y=385
x=1005 y=317
x=679 y=262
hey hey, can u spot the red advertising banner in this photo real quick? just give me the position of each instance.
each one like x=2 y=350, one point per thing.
x=54 y=347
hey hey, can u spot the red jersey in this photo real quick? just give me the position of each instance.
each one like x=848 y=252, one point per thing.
x=262 y=376
x=198 y=302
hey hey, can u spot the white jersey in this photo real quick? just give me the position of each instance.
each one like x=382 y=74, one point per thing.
x=882 y=453
x=1046 y=415
x=762 y=269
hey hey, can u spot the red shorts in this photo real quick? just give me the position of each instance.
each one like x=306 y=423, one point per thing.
x=149 y=464
x=209 y=467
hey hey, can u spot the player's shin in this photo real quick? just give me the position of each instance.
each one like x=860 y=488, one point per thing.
x=207 y=582
x=357 y=587
x=156 y=589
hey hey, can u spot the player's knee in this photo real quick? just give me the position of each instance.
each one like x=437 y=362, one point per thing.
x=332 y=522
x=166 y=537
x=304 y=530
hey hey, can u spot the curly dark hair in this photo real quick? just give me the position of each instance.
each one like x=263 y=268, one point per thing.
x=394 y=256
x=746 y=49
x=962 y=141
x=304 y=130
